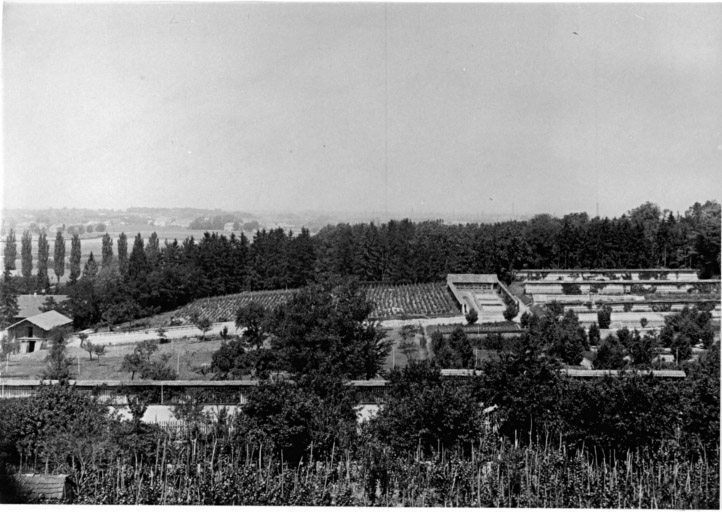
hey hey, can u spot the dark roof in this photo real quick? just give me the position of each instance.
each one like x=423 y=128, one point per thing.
x=472 y=278
x=46 y=321
x=44 y=486
x=29 y=305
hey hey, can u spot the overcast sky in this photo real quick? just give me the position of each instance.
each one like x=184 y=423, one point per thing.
x=362 y=107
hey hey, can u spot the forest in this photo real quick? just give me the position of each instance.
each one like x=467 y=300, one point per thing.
x=133 y=277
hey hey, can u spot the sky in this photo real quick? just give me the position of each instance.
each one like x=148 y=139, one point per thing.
x=401 y=108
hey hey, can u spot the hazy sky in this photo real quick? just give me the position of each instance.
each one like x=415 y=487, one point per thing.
x=362 y=107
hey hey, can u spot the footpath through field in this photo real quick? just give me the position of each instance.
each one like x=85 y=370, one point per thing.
x=182 y=331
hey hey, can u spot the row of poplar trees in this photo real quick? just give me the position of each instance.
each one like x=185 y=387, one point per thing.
x=41 y=280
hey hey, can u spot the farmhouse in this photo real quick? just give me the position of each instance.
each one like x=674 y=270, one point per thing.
x=31 y=332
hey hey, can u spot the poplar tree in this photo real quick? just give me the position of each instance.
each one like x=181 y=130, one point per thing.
x=43 y=255
x=26 y=258
x=59 y=256
x=138 y=261
x=152 y=251
x=107 y=251
x=8 y=300
x=123 y=254
x=11 y=250
x=75 y=253
x=90 y=271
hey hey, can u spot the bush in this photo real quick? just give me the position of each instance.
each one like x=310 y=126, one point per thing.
x=426 y=412
x=571 y=289
x=55 y=424
x=472 y=316
x=291 y=420
x=623 y=414
x=526 y=387
x=610 y=355
x=604 y=317
x=594 y=335
x=512 y=309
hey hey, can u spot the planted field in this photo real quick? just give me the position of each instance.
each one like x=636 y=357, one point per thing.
x=411 y=300
x=223 y=309
x=401 y=301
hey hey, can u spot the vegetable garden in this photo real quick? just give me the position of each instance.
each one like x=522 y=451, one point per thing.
x=391 y=301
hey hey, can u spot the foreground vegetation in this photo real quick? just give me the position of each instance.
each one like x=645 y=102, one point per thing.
x=539 y=440
x=520 y=434
x=215 y=471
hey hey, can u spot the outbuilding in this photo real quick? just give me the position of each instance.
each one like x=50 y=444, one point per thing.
x=32 y=331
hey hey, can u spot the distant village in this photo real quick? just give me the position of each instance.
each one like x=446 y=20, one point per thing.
x=92 y=223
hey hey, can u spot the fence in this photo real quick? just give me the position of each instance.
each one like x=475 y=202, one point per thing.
x=233 y=392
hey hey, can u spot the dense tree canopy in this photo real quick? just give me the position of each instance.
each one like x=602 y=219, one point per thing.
x=169 y=274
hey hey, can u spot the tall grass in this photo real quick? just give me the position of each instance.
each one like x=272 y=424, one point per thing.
x=215 y=470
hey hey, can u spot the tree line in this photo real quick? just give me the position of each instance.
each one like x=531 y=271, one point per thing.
x=139 y=276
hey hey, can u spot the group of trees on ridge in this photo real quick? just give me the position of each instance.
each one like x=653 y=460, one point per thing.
x=130 y=281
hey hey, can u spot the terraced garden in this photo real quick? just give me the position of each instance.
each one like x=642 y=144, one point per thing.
x=223 y=309
x=400 y=301
x=412 y=300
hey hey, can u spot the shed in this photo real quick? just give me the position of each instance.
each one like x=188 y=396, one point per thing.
x=32 y=331
x=45 y=487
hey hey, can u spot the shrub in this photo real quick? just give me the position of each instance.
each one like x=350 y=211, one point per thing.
x=610 y=355
x=604 y=317
x=525 y=385
x=623 y=414
x=426 y=412
x=571 y=289
x=594 y=335
x=472 y=316
x=512 y=309
x=291 y=420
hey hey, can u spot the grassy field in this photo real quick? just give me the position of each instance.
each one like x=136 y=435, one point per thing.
x=186 y=356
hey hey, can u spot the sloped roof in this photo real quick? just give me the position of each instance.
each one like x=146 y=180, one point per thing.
x=46 y=321
x=43 y=486
x=472 y=278
x=29 y=305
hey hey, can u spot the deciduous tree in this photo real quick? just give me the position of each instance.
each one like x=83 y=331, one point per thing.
x=252 y=319
x=324 y=329
x=58 y=363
